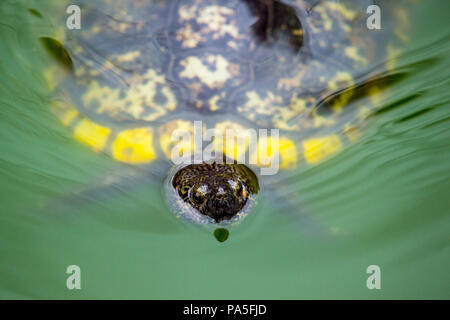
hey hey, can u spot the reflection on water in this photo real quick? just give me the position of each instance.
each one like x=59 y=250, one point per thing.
x=382 y=200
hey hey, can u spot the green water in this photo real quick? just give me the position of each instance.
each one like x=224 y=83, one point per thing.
x=387 y=198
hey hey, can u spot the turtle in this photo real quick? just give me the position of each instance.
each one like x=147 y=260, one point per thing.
x=139 y=73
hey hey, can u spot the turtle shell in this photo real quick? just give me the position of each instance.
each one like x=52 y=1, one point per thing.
x=142 y=69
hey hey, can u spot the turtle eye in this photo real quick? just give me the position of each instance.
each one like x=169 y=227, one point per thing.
x=239 y=189
x=197 y=197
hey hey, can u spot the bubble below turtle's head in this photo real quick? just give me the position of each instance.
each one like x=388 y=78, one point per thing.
x=212 y=193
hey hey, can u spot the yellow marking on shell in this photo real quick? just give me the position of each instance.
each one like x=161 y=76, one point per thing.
x=95 y=30
x=321 y=121
x=403 y=29
x=213 y=103
x=328 y=24
x=107 y=65
x=181 y=127
x=324 y=19
x=352 y=133
x=364 y=112
x=342 y=9
x=281 y=119
x=123 y=27
x=233 y=45
x=317 y=149
x=235 y=139
x=54 y=75
x=375 y=96
x=329 y=11
x=342 y=80
x=122 y=21
x=267 y=149
x=105 y=96
x=298 y=108
x=352 y=53
x=60 y=34
x=288 y=83
x=215 y=19
x=346 y=28
x=402 y=35
x=404 y=24
x=298 y=104
x=188 y=37
x=187 y=13
x=147 y=92
x=272 y=105
x=78 y=50
x=129 y=56
x=261 y=105
x=65 y=113
x=136 y=101
x=134 y=146
x=82 y=71
x=392 y=54
x=195 y=68
x=69 y=116
x=49 y=76
x=92 y=134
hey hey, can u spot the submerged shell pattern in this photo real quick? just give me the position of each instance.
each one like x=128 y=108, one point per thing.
x=142 y=69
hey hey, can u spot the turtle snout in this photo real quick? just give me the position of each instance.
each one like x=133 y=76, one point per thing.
x=222 y=207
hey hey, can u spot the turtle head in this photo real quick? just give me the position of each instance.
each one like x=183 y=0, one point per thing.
x=213 y=193
x=219 y=195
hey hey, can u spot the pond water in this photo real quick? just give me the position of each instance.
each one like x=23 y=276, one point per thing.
x=382 y=201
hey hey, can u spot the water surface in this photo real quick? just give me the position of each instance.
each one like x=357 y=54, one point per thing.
x=385 y=200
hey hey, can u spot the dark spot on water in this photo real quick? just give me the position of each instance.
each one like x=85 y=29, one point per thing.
x=58 y=52
x=221 y=234
x=35 y=13
x=397 y=104
x=423 y=64
x=414 y=115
